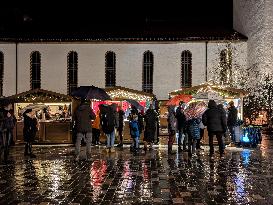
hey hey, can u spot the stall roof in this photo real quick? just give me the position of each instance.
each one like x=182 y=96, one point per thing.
x=121 y=93
x=210 y=87
x=40 y=95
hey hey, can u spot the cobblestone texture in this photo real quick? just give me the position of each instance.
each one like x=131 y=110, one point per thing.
x=243 y=176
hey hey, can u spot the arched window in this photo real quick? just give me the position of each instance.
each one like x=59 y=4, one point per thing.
x=186 y=69
x=35 y=70
x=148 y=70
x=225 y=66
x=110 y=69
x=1 y=72
x=72 y=71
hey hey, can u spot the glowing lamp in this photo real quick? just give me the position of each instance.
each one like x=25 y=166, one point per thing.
x=245 y=138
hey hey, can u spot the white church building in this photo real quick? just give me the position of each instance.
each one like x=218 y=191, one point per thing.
x=151 y=62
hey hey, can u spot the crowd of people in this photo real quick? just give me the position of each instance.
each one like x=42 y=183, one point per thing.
x=190 y=132
x=109 y=119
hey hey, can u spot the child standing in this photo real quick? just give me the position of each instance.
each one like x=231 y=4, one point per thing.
x=193 y=135
x=134 y=131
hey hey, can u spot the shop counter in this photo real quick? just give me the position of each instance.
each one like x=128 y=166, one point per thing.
x=49 y=132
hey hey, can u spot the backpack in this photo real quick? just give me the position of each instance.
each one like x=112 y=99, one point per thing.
x=134 y=128
x=108 y=121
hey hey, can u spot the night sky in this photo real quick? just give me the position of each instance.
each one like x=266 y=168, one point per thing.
x=105 y=16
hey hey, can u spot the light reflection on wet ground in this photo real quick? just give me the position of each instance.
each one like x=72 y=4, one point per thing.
x=244 y=176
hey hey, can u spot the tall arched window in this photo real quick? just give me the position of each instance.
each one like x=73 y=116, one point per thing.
x=110 y=69
x=186 y=69
x=1 y=72
x=35 y=70
x=148 y=70
x=72 y=71
x=225 y=66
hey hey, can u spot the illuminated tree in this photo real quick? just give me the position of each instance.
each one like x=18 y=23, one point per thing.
x=267 y=96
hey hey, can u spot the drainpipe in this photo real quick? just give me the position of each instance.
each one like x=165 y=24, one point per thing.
x=206 y=78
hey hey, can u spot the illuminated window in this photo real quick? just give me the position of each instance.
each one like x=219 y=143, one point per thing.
x=148 y=70
x=186 y=69
x=1 y=72
x=110 y=69
x=35 y=70
x=72 y=72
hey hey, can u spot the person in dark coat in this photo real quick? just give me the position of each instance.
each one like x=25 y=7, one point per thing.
x=82 y=118
x=171 y=128
x=108 y=124
x=3 y=140
x=29 y=131
x=150 y=127
x=232 y=120
x=193 y=131
x=181 y=127
x=222 y=109
x=8 y=124
x=216 y=123
x=10 y=121
x=121 y=115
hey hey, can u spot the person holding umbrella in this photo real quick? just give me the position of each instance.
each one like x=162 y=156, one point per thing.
x=193 y=115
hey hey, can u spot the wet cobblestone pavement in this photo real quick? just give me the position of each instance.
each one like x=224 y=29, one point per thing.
x=243 y=176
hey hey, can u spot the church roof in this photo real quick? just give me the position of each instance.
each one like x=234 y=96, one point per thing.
x=129 y=35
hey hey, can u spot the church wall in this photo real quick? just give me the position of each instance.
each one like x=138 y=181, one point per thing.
x=9 y=50
x=129 y=59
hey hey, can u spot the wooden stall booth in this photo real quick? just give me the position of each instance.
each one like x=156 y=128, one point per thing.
x=221 y=94
x=120 y=96
x=53 y=111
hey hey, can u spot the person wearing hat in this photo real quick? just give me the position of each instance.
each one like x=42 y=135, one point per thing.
x=29 y=131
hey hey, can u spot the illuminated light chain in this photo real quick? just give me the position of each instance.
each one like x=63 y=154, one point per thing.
x=128 y=95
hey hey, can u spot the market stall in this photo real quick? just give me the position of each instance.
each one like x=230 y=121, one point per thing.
x=126 y=98
x=221 y=94
x=53 y=111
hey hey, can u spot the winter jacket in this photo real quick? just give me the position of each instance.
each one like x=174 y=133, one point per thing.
x=214 y=119
x=134 y=128
x=232 y=116
x=96 y=122
x=121 y=114
x=2 y=127
x=108 y=119
x=171 y=120
x=181 y=118
x=30 y=128
x=83 y=117
x=193 y=128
